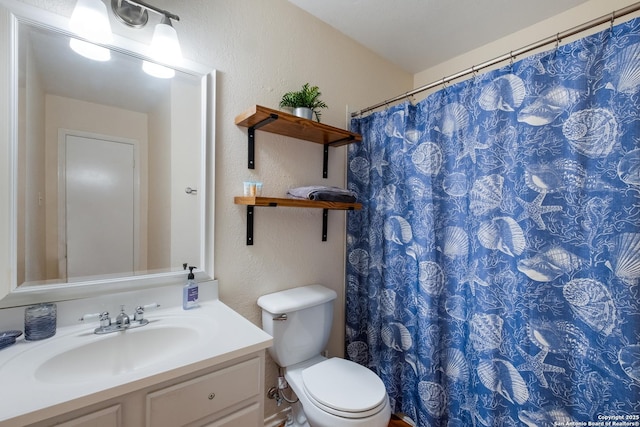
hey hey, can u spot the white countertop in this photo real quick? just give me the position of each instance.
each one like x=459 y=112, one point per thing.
x=26 y=399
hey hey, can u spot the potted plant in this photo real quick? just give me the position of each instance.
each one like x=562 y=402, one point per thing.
x=305 y=102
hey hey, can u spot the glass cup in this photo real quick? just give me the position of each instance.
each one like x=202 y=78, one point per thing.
x=252 y=189
x=40 y=321
x=249 y=189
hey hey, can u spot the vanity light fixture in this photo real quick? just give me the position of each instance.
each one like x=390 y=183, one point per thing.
x=90 y=21
x=164 y=47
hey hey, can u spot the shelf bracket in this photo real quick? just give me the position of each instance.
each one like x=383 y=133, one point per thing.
x=325 y=216
x=325 y=161
x=325 y=156
x=251 y=144
x=249 y=225
x=342 y=141
x=250 y=216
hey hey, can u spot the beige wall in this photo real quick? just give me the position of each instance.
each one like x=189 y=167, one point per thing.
x=31 y=209
x=160 y=187
x=557 y=24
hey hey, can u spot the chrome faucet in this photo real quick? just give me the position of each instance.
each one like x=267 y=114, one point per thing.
x=122 y=322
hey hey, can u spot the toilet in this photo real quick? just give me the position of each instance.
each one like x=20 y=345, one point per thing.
x=332 y=392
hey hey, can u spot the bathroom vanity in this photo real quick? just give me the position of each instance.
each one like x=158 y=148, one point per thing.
x=201 y=367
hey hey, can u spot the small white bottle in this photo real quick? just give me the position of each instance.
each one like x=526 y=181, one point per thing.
x=190 y=292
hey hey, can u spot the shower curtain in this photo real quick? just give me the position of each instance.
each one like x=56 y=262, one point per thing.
x=493 y=271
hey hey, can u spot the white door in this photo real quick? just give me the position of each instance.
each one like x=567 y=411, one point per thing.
x=99 y=206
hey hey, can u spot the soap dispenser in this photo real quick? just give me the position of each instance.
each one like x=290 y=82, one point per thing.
x=190 y=292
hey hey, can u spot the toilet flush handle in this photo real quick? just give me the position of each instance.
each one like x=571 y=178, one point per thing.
x=281 y=317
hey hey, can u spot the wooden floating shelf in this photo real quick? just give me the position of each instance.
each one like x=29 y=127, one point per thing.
x=252 y=202
x=295 y=203
x=281 y=123
x=296 y=127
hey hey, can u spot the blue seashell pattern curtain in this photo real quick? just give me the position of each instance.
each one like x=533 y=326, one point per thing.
x=493 y=272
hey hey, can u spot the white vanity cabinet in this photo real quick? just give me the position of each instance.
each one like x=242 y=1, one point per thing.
x=224 y=395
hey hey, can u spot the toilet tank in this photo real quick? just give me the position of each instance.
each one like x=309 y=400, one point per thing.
x=304 y=334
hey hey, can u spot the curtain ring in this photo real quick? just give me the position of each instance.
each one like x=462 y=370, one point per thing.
x=557 y=40
x=409 y=98
x=474 y=72
x=511 y=59
x=613 y=18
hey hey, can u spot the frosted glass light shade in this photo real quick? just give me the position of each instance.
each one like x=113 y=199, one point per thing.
x=90 y=21
x=165 y=48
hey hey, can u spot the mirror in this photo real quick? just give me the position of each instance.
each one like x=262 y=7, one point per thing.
x=111 y=189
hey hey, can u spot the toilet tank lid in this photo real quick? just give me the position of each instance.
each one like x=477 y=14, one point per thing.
x=296 y=299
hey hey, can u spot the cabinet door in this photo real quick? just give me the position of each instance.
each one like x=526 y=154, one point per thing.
x=108 y=417
x=247 y=417
x=201 y=397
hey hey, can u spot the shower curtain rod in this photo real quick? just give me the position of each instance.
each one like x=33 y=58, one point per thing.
x=511 y=55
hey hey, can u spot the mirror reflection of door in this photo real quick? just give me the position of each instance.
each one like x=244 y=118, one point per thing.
x=99 y=193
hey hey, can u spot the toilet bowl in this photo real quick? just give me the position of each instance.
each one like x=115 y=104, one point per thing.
x=336 y=392
x=332 y=392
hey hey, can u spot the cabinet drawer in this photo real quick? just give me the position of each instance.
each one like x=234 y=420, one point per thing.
x=195 y=399
x=247 y=417
x=109 y=417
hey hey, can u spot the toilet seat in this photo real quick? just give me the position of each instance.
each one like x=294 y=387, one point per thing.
x=344 y=388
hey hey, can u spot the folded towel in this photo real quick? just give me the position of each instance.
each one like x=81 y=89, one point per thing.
x=322 y=193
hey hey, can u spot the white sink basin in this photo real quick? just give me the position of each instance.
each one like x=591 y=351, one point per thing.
x=117 y=353
x=77 y=356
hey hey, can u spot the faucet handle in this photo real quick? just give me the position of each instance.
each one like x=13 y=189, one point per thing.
x=150 y=306
x=91 y=316
x=138 y=316
x=103 y=317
